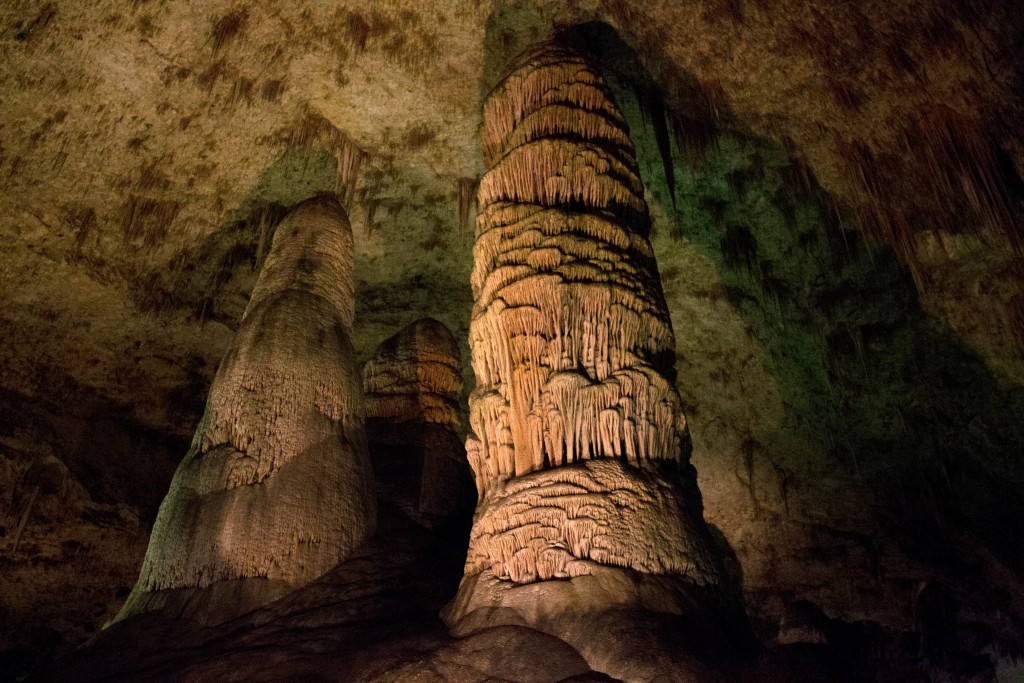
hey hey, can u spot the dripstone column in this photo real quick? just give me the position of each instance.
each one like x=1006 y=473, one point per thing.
x=277 y=488
x=588 y=504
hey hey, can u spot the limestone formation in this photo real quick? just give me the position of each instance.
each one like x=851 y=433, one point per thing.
x=276 y=488
x=412 y=389
x=415 y=376
x=558 y=523
x=579 y=443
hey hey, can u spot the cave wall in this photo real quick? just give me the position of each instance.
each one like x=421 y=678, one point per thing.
x=836 y=197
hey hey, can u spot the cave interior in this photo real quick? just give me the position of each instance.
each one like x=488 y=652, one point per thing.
x=518 y=340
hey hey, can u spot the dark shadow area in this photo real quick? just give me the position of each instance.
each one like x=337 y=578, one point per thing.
x=421 y=474
x=378 y=609
x=80 y=484
x=895 y=398
x=896 y=406
x=83 y=477
x=104 y=448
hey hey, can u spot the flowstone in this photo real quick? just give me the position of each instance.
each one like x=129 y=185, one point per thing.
x=579 y=446
x=276 y=488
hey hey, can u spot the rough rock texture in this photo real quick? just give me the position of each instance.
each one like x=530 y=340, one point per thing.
x=372 y=618
x=415 y=376
x=571 y=340
x=580 y=447
x=412 y=389
x=276 y=489
x=52 y=524
x=338 y=627
x=853 y=392
x=559 y=523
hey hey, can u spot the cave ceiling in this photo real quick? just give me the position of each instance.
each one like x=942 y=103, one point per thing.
x=146 y=150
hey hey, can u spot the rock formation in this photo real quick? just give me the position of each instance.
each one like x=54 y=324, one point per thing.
x=276 y=488
x=415 y=376
x=580 y=446
x=572 y=344
x=412 y=388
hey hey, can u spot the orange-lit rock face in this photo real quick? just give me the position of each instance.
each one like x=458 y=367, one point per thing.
x=412 y=389
x=555 y=523
x=276 y=486
x=575 y=416
x=415 y=376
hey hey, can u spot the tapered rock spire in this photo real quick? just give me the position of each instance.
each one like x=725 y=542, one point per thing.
x=571 y=340
x=276 y=488
x=412 y=388
x=579 y=443
x=572 y=344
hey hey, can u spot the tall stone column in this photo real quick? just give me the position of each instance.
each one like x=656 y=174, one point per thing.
x=579 y=444
x=412 y=386
x=277 y=488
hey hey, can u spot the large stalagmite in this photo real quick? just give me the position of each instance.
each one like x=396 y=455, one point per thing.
x=415 y=376
x=579 y=442
x=276 y=488
x=412 y=388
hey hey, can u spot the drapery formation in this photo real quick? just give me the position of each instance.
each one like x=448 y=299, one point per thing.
x=578 y=441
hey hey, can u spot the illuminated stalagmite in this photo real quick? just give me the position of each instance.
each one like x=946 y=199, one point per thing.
x=415 y=376
x=412 y=388
x=276 y=488
x=579 y=443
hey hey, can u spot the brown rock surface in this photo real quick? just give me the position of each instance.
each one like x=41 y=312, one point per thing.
x=856 y=422
x=276 y=489
x=371 y=618
x=580 y=446
x=412 y=389
x=415 y=376
x=570 y=331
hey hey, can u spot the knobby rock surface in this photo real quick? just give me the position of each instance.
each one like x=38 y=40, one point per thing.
x=276 y=488
x=579 y=441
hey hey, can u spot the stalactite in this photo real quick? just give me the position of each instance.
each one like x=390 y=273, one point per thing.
x=276 y=486
x=652 y=108
x=574 y=418
x=465 y=190
x=694 y=122
x=350 y=161
x=314 y=130
x=969 y=189
x=263 y=221
x=963 y=162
